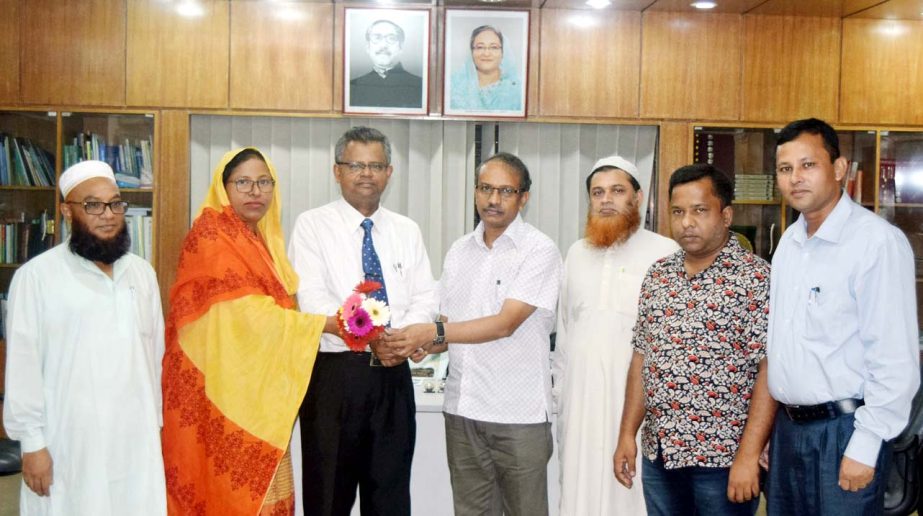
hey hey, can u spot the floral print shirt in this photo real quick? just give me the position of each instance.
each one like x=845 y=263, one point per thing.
x=702 y=339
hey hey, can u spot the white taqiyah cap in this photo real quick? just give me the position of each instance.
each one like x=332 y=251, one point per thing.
x=619 y=163
x=82 y=171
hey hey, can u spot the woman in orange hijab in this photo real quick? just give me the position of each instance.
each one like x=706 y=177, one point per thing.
x=238 y=355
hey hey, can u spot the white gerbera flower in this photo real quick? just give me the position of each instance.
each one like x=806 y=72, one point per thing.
x=377 y=310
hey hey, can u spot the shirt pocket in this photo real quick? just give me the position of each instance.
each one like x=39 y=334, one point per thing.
x=625 y=297
x=826 y=311
x=143 y=309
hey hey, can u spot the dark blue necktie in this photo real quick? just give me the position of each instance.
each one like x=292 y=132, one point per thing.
x=371 y=265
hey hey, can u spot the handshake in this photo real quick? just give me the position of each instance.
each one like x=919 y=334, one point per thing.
x=415 y=342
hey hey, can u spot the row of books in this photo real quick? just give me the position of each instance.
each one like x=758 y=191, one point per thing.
x=755 y=187
x=131 y=159
x=140 y=228
x=24 y=163
x=23 y=239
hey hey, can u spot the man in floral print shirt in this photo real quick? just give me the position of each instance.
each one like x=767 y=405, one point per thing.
x=697 y=377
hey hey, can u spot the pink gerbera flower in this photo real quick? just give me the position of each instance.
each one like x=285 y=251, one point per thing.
x=351 y=304
x=360 y=324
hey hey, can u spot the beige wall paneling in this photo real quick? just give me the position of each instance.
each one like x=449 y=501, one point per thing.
x=9 y=52
x=690 y=65
x=282 y=55
x=590 y=71
x=675 y=151
x=791 y=68
x=171 y=195
x=882 y=72
x=73 y=52
x=177 y=61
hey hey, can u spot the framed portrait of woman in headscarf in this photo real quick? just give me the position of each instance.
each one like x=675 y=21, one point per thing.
x=486 y=63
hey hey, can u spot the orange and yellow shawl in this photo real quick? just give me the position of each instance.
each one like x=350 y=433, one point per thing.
x=237 y=364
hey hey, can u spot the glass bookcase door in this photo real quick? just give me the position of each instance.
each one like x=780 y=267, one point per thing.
x=28 y=144
x=748 y=156
x=858 y=147
x=125 y=141
x=901 y=192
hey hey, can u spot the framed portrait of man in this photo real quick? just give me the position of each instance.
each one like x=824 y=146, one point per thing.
x=486 y=63
x=386 y=61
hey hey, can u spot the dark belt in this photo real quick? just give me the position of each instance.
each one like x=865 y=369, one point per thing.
x=829 y=410
x=369 y=358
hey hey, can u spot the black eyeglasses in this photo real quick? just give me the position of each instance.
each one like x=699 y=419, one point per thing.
x=505 y=191
x=355 y=167
x=245 y=184
x=98 y=207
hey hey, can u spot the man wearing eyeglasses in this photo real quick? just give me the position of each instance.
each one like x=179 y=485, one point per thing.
x=358 y=417
x=387 y=84
x=499 y=290
x=85 y=341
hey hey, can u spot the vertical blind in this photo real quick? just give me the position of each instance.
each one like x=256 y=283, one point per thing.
x=434 y=167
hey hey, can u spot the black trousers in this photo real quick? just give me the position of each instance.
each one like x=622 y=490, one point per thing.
x=358 y=427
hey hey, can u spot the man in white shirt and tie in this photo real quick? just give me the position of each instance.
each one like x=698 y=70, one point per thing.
x=499 y=290
x=358 y=418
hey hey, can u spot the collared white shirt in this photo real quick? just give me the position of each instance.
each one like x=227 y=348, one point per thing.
x=507 y=380
x=843 y=322
x=326 y=252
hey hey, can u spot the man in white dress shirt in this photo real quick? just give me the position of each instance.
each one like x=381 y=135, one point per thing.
x=598 y=308
x=84 y=349
x=499 y=290
x=358 y=418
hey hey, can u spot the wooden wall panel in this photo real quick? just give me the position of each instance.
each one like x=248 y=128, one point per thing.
x=338 y=26
x=172 y=202
x=674 y=151
x=9 y=51
x=283 y=56
x=534 y=67
x=690 y=65
x=791 y=68
x=73 y=52
x=177 y=61
x=590 y=63
x=882 y=72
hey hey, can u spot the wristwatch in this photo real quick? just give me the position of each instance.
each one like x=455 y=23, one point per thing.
x=440 y=334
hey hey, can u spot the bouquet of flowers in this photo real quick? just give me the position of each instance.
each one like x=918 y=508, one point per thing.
x=362 y=318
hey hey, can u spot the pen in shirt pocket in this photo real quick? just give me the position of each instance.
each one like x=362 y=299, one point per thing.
x=399 y=268
x=813 y=295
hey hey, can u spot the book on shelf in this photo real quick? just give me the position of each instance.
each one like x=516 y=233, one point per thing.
x=854 y=181
x=24 y=163
x=130 y=159
x=22 y=239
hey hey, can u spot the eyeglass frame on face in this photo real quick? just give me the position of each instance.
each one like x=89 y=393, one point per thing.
x=123 y=206
x=264 y=184
x=390 y=39
x=356 y=167
x=505 y=192
x=492 y=49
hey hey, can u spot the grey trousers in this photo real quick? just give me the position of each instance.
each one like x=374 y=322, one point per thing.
x=498 y=468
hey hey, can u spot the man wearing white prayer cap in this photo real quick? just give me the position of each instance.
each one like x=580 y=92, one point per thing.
x=597 y=310
x=84 y=347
